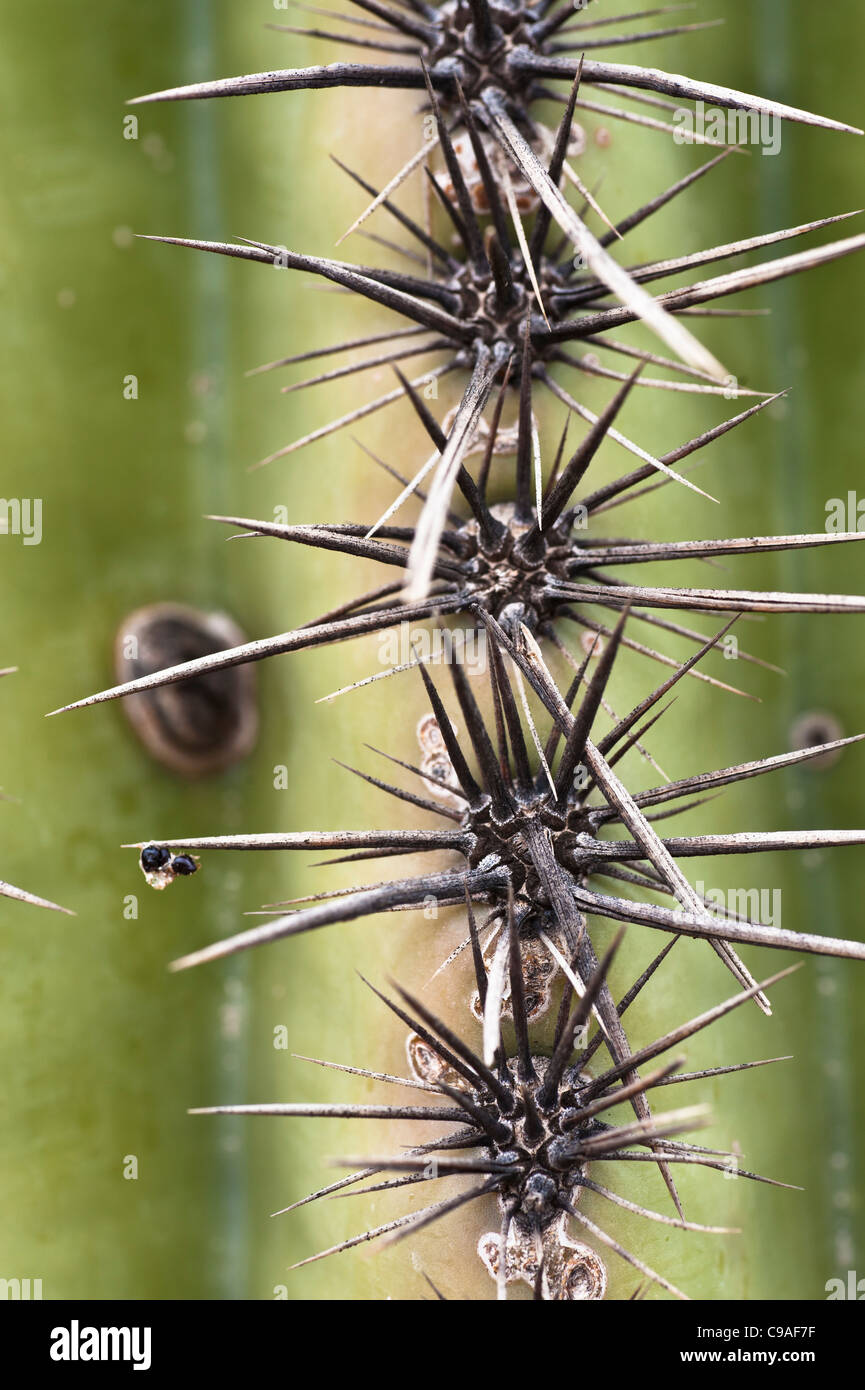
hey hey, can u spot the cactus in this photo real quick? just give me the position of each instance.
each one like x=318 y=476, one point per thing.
x=507 y=560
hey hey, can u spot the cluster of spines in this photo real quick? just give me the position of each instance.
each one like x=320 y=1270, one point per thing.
x=529 y=1129
x=504 y=310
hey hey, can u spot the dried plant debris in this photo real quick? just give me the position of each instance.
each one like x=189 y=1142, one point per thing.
x=534 y=561
x=538 y=836
x=529 y=1131
x=8 y=890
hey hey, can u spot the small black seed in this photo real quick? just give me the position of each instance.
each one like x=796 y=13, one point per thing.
x=154 y=857
x=183 y=864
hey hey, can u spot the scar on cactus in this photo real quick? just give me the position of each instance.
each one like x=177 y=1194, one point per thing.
x=209 y=722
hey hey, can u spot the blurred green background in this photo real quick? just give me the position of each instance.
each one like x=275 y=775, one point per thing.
x=102 y=1050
